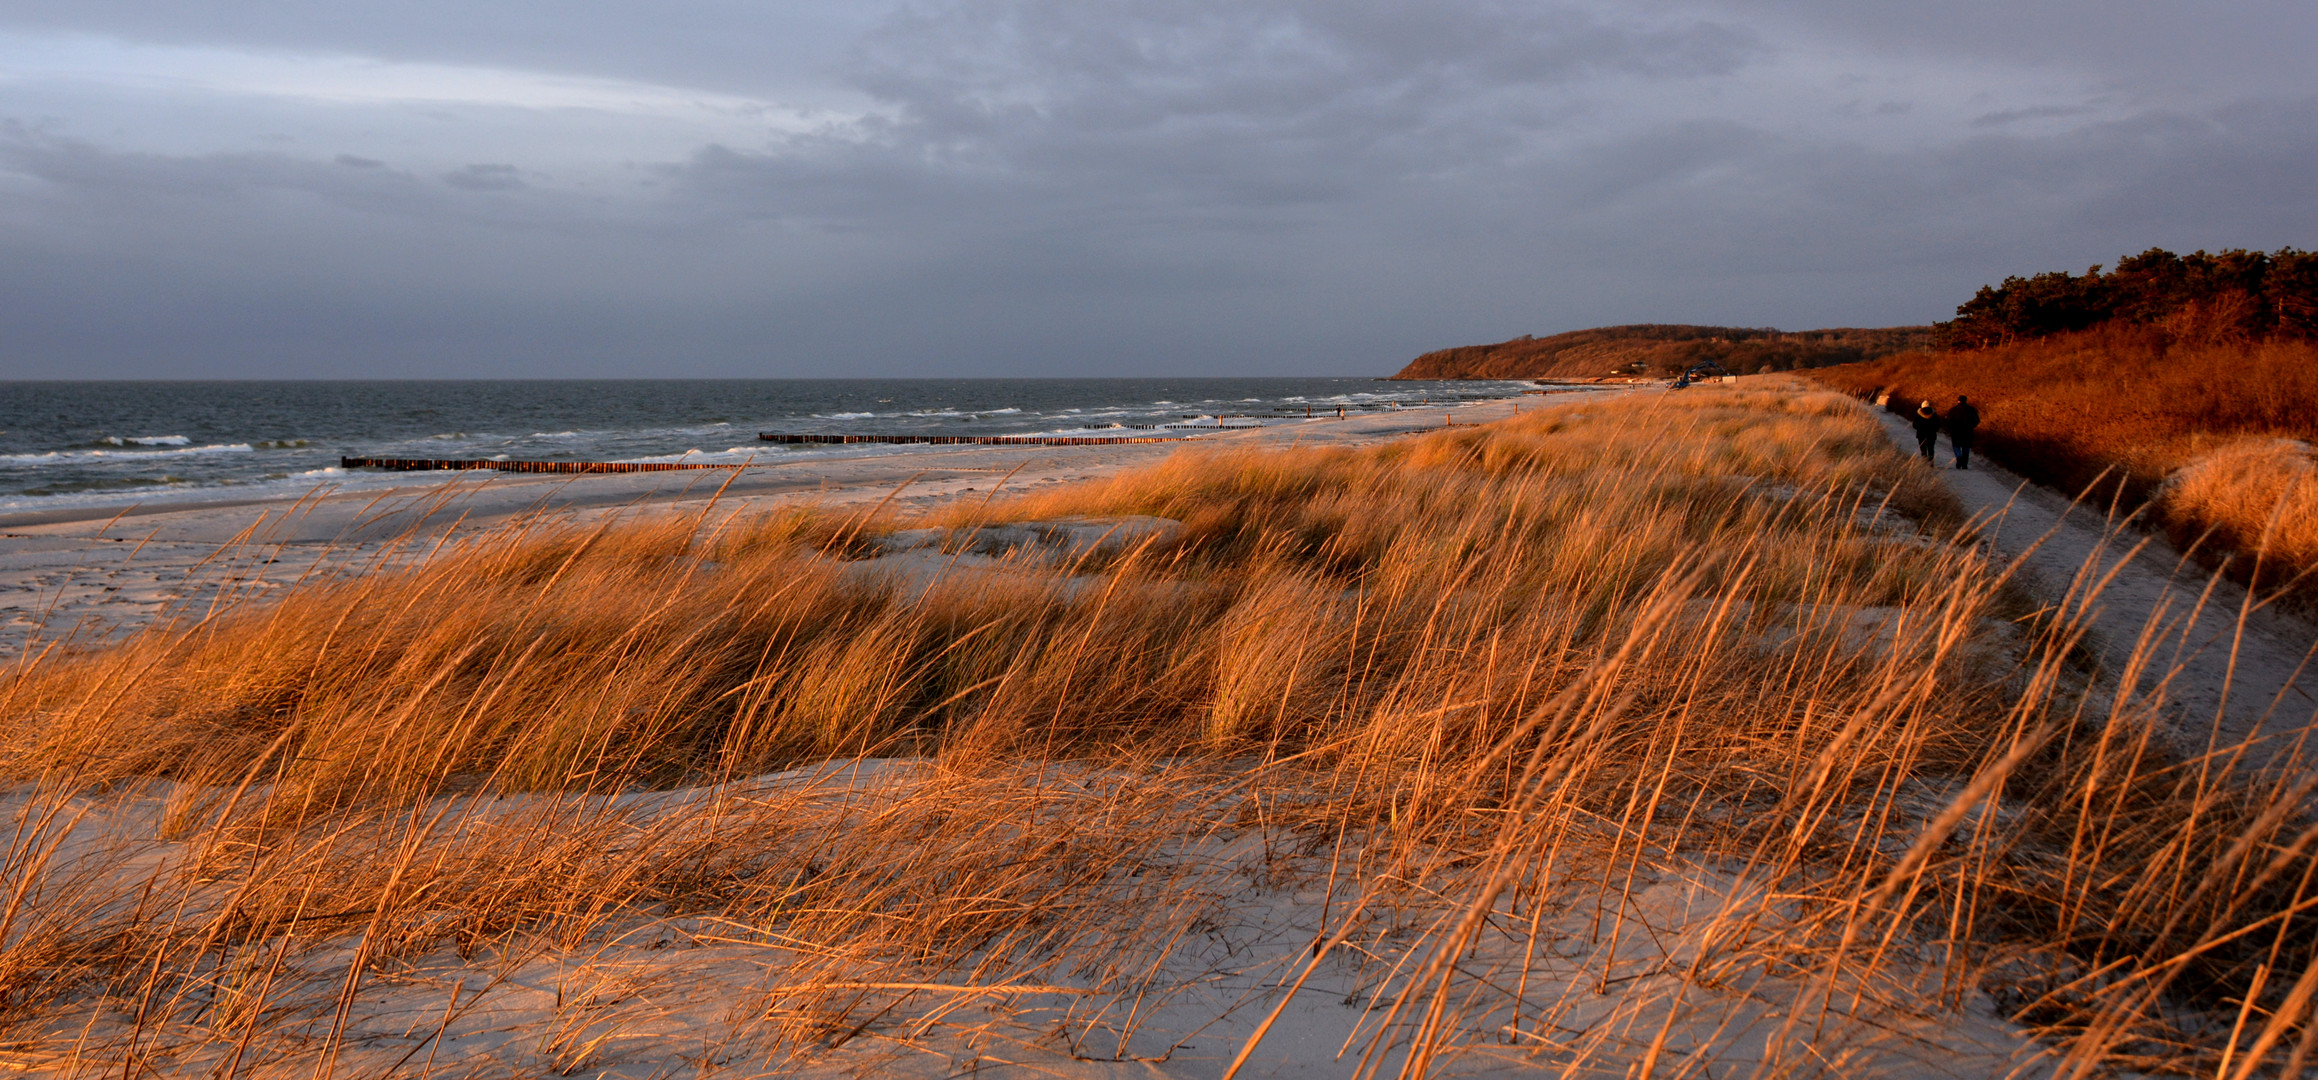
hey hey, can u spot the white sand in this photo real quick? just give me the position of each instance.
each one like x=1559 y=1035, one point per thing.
x=1689 y=958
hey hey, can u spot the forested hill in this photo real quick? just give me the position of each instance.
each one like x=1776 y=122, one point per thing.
x=1663 y=349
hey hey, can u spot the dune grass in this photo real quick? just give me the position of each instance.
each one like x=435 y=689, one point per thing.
x=1476 y=691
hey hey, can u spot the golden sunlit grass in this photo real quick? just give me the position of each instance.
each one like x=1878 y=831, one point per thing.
x=1450 y=722
x=2253 y=495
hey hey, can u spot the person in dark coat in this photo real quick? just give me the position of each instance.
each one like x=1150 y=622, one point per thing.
x=1963 y=420
x=1927 y=422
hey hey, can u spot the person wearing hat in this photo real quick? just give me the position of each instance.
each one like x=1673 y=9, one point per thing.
x=1927 y=424
x=1963 y=420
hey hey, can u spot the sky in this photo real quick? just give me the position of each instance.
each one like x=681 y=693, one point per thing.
x=807 y=188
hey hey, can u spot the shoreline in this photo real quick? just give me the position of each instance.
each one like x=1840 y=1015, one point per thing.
x=89 y=574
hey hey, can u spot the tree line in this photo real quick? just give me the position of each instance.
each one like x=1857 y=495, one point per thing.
x=2249 y=294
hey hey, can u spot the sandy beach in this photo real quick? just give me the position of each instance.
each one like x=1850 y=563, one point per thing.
x=90 y=573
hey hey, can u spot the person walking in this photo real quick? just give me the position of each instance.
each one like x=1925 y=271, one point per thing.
x=1927 y=423
x=1962 y=421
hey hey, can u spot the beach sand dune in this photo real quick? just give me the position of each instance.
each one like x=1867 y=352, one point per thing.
x=1676 y=735
x=87 y=575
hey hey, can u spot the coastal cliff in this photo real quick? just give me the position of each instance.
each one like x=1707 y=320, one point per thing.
x=1663 y=349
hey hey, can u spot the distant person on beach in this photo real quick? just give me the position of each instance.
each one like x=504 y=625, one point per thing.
x=1927 y=422
x=1962 y=421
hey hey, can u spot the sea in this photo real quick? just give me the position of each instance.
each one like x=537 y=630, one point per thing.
x=75 y=445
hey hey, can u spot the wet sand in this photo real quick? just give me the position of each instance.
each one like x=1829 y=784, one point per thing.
x=83 y=575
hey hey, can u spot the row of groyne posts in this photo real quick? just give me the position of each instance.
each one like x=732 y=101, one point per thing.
x=778 y=438
x=432 y=464
x=397 y=464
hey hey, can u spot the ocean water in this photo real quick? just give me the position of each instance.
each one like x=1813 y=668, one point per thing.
x=100 y=444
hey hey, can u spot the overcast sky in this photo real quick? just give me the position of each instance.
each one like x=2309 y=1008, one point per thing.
x=363 y=188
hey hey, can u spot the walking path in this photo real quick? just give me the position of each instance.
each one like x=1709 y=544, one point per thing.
x=2262 y=680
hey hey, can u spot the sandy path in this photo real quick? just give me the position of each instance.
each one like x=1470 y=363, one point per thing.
x=97 y=573
x=2193 y=618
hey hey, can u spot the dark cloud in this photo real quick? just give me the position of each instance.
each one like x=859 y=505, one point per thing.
x=81 y=173
x=1281 y=91
x=1194 y=115
x=2002 y=117
x=485 y=178
x=1050 y=187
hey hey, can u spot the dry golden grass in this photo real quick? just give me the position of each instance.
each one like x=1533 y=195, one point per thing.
x=2127 y=408
x=2254 y=495
x=1474 y=690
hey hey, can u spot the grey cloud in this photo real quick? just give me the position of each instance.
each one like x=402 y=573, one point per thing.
x=2002 y=117
x=1706 y=220
x=965 y=69
x=1982 y=208
x=1197 y=112
x=77 y=169
x=1676 y=158
x=77 y=179
x=2156 y=47
x=1106 y=187
x=730 y=45
x=485 y=178
x=889 y=262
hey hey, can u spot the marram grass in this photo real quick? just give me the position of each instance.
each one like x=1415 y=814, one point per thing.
x=1465 y=686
